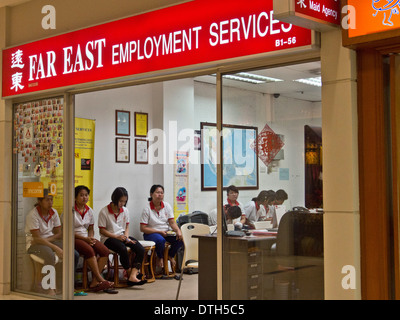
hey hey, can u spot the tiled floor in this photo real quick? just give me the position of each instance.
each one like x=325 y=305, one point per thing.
x=164 y=289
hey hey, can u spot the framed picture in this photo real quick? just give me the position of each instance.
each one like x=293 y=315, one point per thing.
x=122 y=150
x=141 y=151
x=122 y=123
x=141 y=124
x=239 y=160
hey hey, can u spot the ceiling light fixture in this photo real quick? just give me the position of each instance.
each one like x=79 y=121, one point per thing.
x=250 y=78
x=311 y=81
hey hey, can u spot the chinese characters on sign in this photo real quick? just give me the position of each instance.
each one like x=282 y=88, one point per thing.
x=16 y=78
x=164 y=39
x=324 y=10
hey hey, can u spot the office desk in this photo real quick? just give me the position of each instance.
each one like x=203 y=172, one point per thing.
x=243 y=266
x=252 y=269
x=207 y=287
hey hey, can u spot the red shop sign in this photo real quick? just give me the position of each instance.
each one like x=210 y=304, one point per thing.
x=195 y=32
x=322 y=10
x=319 y=15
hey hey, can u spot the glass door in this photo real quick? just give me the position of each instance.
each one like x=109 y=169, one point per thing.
x=38 y=197
x=272 y=172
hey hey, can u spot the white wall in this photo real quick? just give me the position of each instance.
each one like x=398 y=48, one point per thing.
x=179 y=105
x=284 y=115
x=108 y=174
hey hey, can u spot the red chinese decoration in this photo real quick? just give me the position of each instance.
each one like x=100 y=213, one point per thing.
x=268 y=145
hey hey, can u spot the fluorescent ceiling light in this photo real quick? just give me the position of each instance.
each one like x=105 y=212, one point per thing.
x=311 y=81
x=250 y=78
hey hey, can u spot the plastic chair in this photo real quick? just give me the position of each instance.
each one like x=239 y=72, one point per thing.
x=191 y=255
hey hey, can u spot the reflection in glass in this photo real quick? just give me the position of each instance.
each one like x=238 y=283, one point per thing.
x=281 y=256
x=38 y=196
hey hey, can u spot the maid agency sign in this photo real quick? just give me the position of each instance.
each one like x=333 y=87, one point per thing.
x=195 y=32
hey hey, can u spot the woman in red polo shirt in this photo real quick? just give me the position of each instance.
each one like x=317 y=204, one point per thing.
x=114 y=231
x=158 y=224
x=44 y=234
x=85 y=242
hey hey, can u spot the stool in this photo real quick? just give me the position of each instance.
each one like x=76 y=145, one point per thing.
x=116 y=268
x=85 y=274
x=37 y=270
x=166 y=269
x=165 y=262
x=147 y=264
x=84 y=271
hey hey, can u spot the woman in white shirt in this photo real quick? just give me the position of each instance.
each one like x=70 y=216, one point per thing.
x=255 y=209
x=44 y=235
x=85 y=242
x=232 y=193
x=114 y=231
x=156 y=223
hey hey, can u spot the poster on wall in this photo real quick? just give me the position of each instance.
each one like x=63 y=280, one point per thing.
x=38 y=146
x=84 y=153
x=181 y=183
x=240 y=161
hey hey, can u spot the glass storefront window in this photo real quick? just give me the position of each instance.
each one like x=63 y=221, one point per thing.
x=38 y=196
x=271 y=140
x=174 y=111
x=271 y=146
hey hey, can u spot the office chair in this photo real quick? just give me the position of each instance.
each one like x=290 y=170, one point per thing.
x=300 y=234
x=299 y=259
x=191 y=252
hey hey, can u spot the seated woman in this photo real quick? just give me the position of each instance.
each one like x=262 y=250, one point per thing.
x=44 y=235
x=231 y=201
x=255 y=209
x=233 y=214
x=156 y=222
x=232 y=193
x=86 y=244
x=270 y=208
x=114 y=230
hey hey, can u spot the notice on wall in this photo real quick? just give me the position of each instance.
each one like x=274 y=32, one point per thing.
x=84 y=153
x=181 y=183
x=38 y=147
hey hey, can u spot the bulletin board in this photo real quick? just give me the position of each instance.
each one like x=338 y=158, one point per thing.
x=38 y=144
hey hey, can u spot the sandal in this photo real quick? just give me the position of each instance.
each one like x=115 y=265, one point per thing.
x=101 y=286
x=110 y=290
x=140 y=283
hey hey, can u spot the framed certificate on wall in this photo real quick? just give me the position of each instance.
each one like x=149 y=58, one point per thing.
x=122 y=123
x=122 y=150
x=141 y=124
x=141 y=151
